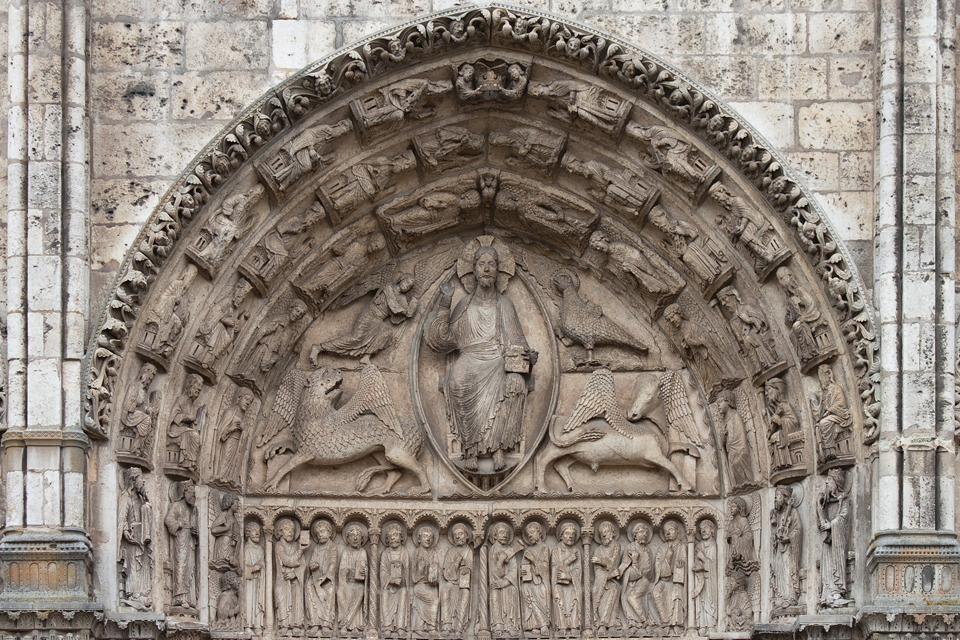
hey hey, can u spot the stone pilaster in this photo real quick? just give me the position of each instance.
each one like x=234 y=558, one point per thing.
x=45 y=553
x=915 y=553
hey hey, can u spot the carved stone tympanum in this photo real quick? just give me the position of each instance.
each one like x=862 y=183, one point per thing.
x=464 y=337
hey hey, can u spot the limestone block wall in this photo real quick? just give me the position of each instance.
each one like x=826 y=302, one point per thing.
x=165 y=76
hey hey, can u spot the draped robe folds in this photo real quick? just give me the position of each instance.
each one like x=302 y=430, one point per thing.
x=705 y=587
x=788 y=534
x=566 y=576
x=255 y=589
x=135 y=516
x=181 y=522
x=833 y=417
x=454 y=596
x=606 y=588
x=669 y=592
x=426 y=596
x=351 y=587
x=484 y=401
x=504 y=594
x=394 y=583
x=320 y=592
x=743 y=553
x=229 y=459
x=833 y=556
x=288 y=585
x=637 y=571
x=737 y=447
x=535 y=587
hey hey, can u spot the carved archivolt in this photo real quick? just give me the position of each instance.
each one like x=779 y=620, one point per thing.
x=491 y=256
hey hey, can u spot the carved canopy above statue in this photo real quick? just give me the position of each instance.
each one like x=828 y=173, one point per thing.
x=491 y=256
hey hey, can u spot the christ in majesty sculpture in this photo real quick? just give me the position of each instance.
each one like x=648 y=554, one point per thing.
x=487 y=380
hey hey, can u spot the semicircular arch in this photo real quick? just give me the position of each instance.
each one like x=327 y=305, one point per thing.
x=321 y=226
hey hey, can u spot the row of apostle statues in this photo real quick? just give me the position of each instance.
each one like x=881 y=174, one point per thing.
x=515 y=580
x=522 y=583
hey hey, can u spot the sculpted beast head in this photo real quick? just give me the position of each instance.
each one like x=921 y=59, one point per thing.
x=325 y=382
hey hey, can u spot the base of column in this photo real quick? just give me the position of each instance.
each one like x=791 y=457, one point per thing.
x=915 y=568
x=46 y=569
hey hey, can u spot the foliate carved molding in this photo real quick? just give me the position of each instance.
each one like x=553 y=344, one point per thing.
x=590 y=106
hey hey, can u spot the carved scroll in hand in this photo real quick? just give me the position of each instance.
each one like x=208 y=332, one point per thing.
x=598 y=434
x=217 y=238
x=182 y=533
x=737 y=436
x=833 y=514
x=229 y=439
x=305 y=421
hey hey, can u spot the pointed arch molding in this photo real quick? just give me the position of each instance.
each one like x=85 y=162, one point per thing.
x=561 y=136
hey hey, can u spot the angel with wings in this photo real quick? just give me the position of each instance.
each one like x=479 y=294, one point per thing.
x=396 y=300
